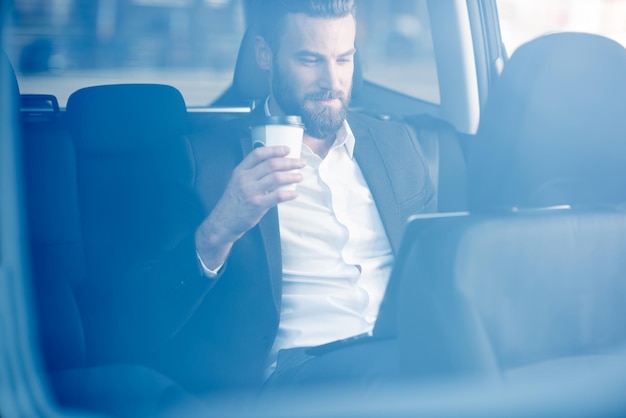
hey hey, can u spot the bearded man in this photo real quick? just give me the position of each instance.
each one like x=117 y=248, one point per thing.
x=293 y=269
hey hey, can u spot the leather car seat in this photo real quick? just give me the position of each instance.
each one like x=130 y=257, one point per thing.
x=126 y=157
x=135 y=190
x=532 y=282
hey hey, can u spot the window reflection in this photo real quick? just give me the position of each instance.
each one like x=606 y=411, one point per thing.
x=63 y=45
x=395 y=44
x=59 y=46
x=522 y=21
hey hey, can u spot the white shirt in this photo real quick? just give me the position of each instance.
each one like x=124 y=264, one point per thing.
x=336 y=255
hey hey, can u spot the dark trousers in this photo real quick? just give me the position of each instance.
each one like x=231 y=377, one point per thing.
x=360 y=359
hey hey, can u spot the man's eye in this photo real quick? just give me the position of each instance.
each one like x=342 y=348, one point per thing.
x=309 y=61
x=344 y=60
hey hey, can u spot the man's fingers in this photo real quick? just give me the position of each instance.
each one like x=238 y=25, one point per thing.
x=251 y=188
x=275 y=166
x=276 y=179
x=258 y=155
x=276 y=196
x=266 y=168
x=256 y=183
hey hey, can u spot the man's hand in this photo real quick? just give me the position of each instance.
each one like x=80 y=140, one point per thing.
x=251 y=191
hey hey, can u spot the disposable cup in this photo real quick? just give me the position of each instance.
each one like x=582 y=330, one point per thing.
x=279 y=130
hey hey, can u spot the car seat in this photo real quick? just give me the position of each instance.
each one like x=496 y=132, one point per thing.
x=87 y=365
x=532 y=281
x=138 y=210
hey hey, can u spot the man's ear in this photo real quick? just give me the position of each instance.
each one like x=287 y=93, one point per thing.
x=263 y=53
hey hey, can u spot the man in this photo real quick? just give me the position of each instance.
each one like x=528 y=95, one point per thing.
x=301 y=268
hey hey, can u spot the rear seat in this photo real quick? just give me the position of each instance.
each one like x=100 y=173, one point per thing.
x=137 y=204
x=55 y=236
x=79 y=378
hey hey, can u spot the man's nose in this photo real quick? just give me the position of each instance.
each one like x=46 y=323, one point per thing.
x=330 y=77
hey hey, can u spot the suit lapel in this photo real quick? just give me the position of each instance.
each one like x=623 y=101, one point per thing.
x=268 y=226
x=270 y=234
x=375 y=172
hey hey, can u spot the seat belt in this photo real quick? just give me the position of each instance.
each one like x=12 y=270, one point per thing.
x=445 y=159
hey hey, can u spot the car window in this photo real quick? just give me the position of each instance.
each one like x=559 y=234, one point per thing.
x=521 y=21
x=396 y=47
x=60 y=46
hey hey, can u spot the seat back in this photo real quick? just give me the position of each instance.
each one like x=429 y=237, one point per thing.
x=484 y=294
x=54 y=243
x=134 y=174
x=513 y=286
x=63 y=193
x=131 y=146
x=553 y=129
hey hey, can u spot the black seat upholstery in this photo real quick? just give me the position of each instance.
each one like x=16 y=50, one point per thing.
x=134 y=175
x=54 y=236
x=55 y=242
x=513 y=289
x=553 y=131
x=100 y=200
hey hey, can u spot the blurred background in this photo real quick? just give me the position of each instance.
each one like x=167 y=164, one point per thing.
x=521 y=21
x=58 y=46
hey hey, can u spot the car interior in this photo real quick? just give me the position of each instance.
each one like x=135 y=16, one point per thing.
x=517 y=279
x=535 y=269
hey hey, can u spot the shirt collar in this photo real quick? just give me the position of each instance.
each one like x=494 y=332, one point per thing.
x=345 y=137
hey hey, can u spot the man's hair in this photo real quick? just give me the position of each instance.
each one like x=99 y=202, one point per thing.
x=270 y=14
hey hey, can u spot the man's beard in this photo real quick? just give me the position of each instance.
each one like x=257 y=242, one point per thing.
x=321 y=122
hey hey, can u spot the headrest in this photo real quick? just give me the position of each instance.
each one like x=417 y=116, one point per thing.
x=553 y=131
x=126 y=118
x=251 y=83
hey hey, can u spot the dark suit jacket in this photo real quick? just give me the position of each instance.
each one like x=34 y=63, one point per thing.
x=227 y=340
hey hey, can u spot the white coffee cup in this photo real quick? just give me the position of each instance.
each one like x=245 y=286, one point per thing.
x=279 y=130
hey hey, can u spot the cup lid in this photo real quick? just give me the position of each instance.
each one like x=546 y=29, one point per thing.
x=292 y=120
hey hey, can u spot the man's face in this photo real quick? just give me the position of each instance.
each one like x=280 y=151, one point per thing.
x=312 y=71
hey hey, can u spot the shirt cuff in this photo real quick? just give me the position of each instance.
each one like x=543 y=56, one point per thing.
x=211 y=274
